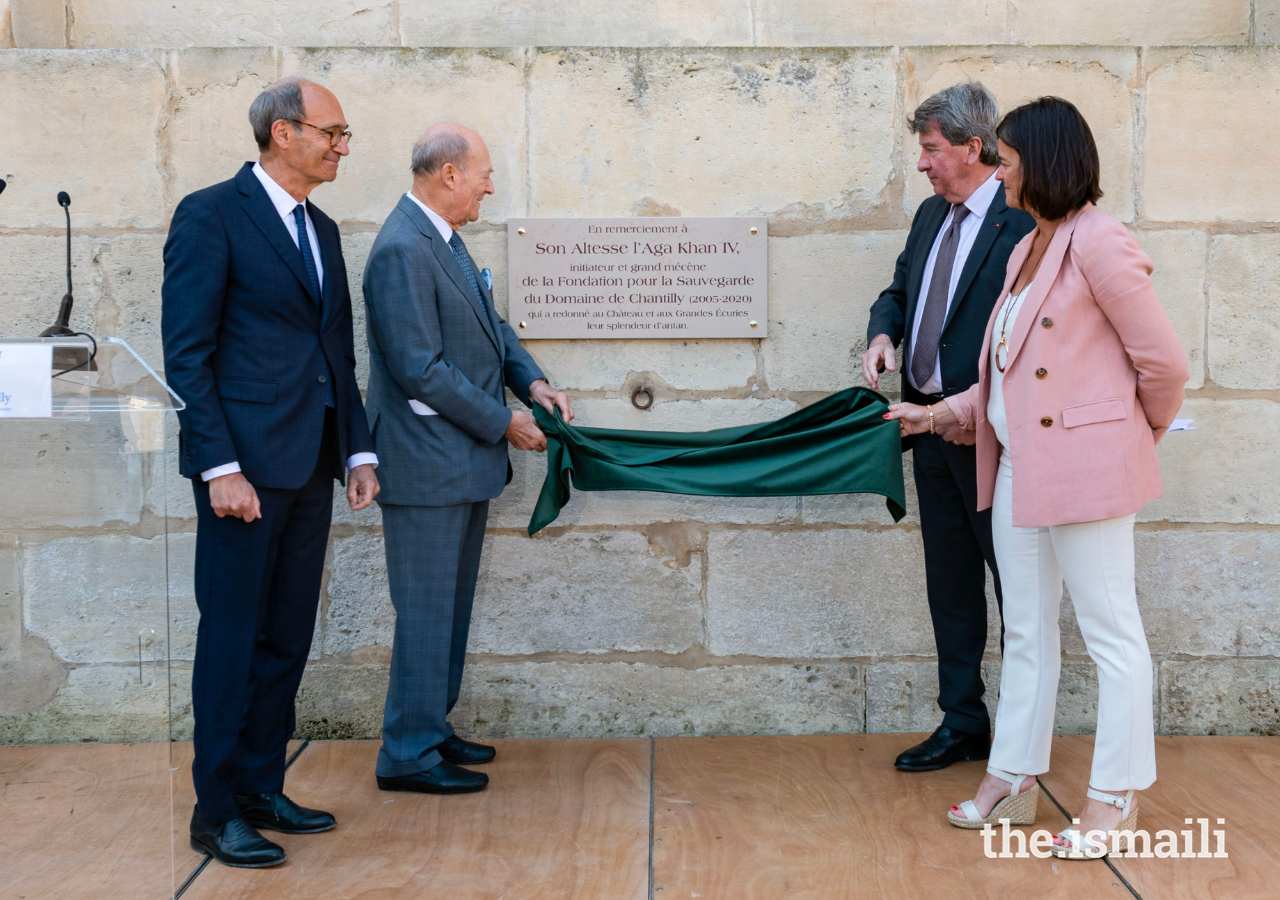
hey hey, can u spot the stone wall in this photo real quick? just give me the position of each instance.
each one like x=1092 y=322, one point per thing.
x=636 y=613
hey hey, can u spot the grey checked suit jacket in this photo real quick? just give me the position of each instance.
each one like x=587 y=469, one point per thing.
x=431 y=341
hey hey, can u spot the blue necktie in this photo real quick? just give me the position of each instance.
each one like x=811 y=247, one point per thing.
x=464 y=261
x=304 y=244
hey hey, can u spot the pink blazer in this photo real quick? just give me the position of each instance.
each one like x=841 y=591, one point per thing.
x=1094 y=378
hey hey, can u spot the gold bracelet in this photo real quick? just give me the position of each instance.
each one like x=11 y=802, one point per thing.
x=929 y=409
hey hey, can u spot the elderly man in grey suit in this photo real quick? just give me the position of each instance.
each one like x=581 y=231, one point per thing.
x=440 y=357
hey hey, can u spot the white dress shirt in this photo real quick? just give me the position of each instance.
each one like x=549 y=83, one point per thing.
x=445 y=229
x=978 y=204
x=284 y=203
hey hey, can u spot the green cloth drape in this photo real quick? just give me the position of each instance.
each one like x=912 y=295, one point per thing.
x=839 y=445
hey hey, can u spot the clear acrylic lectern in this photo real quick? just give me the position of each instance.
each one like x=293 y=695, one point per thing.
x=97 y=618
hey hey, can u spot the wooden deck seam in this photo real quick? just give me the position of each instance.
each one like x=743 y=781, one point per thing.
x=1110 y=865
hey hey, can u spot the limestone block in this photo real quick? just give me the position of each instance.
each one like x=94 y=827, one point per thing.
x=1215 y=473
x=233 y=23
x=1194 y=98
x=391 y=96
x=38 y=23
x=681 y=415
x=105 y=703
x=89 y=597
x=582 y=593
x=821 y=288
x=859 y=509
x=207 y=132
x=1146 y=22
x=780 y=23
x=558 y=23
x=577 y=700
x=128 y=274
x=1209 y=592
x=807 y=594
x=1266 y=22
x=1100 y=81
x=10 y=597
x=70 y=101
x=35 y=278
x=711 y=133
x=1244 y=336
x=1179 y=273
x=593 y=508
x=6 y=25
x=591 y=365
x=75 y=474
x=165 y=492
x=903 y=696
x=1230 y=696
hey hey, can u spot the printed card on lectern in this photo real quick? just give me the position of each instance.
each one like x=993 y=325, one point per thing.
x=26 y=385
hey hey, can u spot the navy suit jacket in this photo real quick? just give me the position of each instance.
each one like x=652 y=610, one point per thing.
x=246 y=344
x=977 y=291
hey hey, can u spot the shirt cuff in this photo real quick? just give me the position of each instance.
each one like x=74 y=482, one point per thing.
x=219 y=471
x=362 y=459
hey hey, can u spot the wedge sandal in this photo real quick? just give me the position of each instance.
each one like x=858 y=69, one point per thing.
x=1078 y=848
x=1019 y=807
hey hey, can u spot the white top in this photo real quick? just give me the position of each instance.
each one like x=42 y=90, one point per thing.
x=284 y=203
x=445 y=229
x=978 y=204
x=995 y=403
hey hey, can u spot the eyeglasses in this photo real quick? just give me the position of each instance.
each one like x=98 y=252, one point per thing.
x=335 y=134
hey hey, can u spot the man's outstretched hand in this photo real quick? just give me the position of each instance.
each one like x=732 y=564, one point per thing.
x=548 y=397
x=880 y=355
x=524 y=433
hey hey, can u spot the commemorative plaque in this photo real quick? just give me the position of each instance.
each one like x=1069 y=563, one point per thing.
x=638 y=277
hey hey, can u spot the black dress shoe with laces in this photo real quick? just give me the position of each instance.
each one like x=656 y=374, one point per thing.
x=942 y=748
x=442 y=778
x=234 y=843
x=276 y=812
x=465 y=753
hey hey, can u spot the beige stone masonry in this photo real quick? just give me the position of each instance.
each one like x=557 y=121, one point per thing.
x=1209 y=113
x=1244 y=334
x=37 y=23
x=231 y=23
x=1135 y=23
x=68 y=103
x=553 y=23
x=786 y=23
x=711 y=133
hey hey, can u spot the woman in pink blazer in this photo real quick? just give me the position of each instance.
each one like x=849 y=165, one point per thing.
x=1081 y=374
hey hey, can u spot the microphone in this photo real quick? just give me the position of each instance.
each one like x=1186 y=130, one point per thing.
x=60 y=327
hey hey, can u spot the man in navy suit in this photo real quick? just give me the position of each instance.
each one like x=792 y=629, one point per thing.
x=258 y=343
x=946 y=282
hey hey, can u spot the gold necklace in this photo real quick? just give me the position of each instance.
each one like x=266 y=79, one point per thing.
x=1010 y=304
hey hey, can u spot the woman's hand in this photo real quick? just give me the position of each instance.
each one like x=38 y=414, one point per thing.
x=915 y=419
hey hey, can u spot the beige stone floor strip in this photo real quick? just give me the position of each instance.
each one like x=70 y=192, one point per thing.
x=1234 y=778
x=561 y=818
x=827 y=817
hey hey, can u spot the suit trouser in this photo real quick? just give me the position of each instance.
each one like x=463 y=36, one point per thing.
x=257 y=586
x=1096 y=559
x=433 y=558
x=957 y=540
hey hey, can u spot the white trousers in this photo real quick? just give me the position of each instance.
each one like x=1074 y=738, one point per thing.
x=1096 y=559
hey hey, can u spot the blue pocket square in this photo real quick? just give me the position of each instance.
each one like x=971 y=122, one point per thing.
x=487 y=277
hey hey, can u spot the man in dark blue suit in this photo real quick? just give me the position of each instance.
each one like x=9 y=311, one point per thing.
x=258 y=343
x=946 y=282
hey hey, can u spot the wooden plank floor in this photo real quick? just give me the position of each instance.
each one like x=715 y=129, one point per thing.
x=561 y=818
x=85 y=821
x=827 y=816
x=1233 y=778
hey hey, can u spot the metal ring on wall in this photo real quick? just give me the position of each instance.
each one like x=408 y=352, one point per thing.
x=638 y=393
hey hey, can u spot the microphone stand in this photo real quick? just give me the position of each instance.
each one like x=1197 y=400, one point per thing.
x=68 y=359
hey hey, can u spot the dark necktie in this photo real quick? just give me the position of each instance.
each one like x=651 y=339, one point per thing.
x=924 y=353
x=304 y=244
x=464 y=262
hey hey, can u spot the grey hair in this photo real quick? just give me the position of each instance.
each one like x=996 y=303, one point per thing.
x=280 y=100
x=437 y=148
x=962 y=111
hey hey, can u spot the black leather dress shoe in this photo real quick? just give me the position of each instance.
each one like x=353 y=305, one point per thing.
x=442 y=778
x=942 y=748
x=276 y=812
x=465 y=753
x=234 y=843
